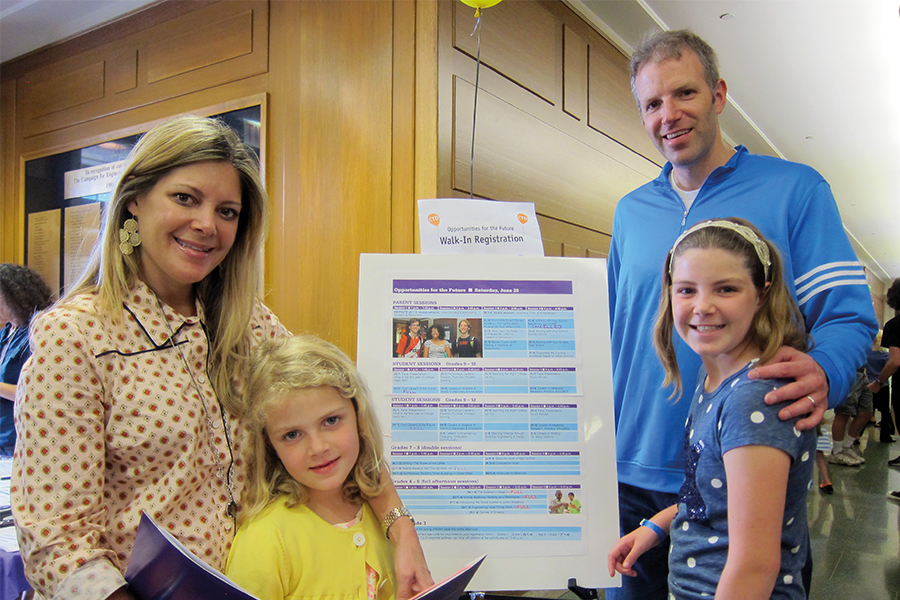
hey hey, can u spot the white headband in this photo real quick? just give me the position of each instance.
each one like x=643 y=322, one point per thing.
x=762 y=250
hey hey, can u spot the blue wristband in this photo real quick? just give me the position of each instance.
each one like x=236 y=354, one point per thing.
x=659 y=531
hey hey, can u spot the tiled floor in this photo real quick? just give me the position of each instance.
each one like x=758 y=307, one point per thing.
x=855 y=533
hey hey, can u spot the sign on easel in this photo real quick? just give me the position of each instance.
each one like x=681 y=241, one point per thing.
x=491 y=378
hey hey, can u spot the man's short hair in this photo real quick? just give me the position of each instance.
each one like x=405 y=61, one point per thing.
x=656 y=47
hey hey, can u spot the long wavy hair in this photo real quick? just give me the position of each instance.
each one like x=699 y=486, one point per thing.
x=777 y=322
x=278 y=368
x=228 y=293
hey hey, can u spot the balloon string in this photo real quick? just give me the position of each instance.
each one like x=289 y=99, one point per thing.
x=475 y=105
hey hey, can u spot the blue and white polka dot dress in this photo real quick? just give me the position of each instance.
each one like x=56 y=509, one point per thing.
x=732 y=416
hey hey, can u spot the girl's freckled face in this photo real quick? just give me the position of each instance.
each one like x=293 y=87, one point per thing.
x=713 y=302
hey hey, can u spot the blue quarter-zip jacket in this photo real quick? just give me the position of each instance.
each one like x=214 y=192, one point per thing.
x=794 y=208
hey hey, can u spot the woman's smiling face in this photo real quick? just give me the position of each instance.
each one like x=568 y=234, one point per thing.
x=188 y=223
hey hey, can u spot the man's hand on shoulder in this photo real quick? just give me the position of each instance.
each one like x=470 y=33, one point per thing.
x=809 y=389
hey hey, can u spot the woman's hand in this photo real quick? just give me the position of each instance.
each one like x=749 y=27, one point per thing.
x=410 y=568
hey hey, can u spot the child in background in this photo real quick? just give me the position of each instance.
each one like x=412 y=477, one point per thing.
x=823 y=447
x=314 y=455
x=739 y=529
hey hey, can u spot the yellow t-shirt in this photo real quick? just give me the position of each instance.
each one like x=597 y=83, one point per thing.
x=291 y=553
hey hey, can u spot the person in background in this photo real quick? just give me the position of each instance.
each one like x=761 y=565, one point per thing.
x=467 y=345
x=876 y=359
x=855 y=411
x=676 y=83
x=890 y=339
x=314 y=457
x=823 y=447
x=130 y=401
x=23 y=293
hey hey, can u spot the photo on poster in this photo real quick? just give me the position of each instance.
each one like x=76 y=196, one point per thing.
x=412 y=336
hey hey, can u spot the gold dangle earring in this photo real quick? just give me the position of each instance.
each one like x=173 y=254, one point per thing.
x=129 y=238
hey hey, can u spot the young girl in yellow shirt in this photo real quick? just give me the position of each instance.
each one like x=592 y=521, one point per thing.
x=314 y=457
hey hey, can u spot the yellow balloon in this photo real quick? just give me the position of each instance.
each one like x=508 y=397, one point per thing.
x=479 y=4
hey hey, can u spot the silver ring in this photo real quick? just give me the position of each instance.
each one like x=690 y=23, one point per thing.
x=811 y=400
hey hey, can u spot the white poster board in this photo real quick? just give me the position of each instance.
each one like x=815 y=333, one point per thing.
x=480 y=446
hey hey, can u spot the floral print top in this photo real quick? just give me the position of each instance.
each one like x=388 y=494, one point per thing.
x=110 y=424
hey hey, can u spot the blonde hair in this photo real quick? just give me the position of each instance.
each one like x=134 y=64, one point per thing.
x=278 y=368
x=228 y=293
x=777 y=322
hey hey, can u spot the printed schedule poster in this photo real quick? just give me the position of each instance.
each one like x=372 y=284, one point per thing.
x=491 y=378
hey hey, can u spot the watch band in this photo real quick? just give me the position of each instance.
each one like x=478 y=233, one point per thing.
x=400 y=511
x=659 y=531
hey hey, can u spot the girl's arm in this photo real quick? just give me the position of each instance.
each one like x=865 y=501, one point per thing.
x=8 y=391
x=410 y=568
x=449 y=349
x=890 y=367
x=425 y=352
x=631 y=546
x=757 y=488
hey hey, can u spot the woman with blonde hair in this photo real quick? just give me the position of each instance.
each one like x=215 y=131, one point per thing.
x=131 y=401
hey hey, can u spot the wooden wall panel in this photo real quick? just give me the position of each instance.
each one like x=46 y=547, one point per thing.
x=121 y=71
x=403 y=131
x=519 y=40
x=556 y=123
x=207 y=47
x=575 y=74
x=331 y=95
x=222 y=40
x=565 y=239
x=612 y=107
x=520 y=157
x=12 y=248
x=67 y=89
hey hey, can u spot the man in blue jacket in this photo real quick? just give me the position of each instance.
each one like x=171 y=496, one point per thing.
x=676 y=83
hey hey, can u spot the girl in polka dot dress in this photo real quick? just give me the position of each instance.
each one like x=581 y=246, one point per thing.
x=314 y=457
x=739 y=529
